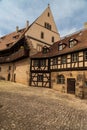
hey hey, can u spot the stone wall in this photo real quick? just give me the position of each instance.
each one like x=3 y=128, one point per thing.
x=19 y=71
x=80 y=82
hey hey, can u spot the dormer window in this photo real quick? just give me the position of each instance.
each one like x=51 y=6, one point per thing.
x=9 y=44
x=72 y=42
x=61 y=46
x=45 y=50
x=16 y=36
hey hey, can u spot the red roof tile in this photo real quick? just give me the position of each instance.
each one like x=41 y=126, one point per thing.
x=10 y=39
x=80 y=36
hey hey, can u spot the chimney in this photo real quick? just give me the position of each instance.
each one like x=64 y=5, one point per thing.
x=85 y=25
x=48 y=5
x=27 y=24
x=17 y=28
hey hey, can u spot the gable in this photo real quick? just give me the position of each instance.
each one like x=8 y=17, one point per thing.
x=47 y=17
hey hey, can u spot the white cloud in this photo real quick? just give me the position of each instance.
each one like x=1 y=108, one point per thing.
x=13 y=13
x=68 y=31
x=67 y=8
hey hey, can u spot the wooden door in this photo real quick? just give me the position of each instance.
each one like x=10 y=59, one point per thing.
x=71 y=85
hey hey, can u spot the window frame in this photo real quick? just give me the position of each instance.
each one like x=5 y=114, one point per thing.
x=48 y=26
x=42 y=63
x=60 y=79
x=39 y=63
x=42 y=35
x=40 y=78
x=52 y=39
x=63 y=60
x=55 y=61
x=85 y=56
x=74 y=57
x=36 y=63
x=72 y=43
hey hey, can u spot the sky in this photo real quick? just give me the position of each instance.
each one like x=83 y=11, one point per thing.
x=69 y=15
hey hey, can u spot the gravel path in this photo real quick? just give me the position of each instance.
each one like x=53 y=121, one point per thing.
x=32 y=108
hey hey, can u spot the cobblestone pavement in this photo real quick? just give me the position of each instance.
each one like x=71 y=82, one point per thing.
x=33 y=108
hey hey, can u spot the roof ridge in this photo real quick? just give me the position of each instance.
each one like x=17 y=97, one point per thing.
x=79 y=31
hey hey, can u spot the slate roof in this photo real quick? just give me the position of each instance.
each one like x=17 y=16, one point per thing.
x=80 y=36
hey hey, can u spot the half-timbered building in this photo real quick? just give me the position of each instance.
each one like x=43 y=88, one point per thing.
x=63 y=66
x=17 y=47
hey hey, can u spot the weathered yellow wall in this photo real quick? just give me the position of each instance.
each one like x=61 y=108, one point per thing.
x=20 y=68
x=22 y=71
x=79 y=85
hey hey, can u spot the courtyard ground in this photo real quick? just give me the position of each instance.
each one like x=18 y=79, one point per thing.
x=32 y=108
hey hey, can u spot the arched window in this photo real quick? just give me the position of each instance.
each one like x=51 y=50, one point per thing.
x=60 y=79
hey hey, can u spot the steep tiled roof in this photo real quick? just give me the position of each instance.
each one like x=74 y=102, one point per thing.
x=81 y=38
x=9 y=40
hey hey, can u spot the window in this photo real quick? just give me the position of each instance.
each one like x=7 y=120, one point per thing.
x=45 y=50
x=9 y=44
x=85 y=83
x=55 y=61
x=48 y=14
x=52 y=39
x=42 y=35
x=39 y=63
x=0 y=69
x=60 y=79
x=9 y=68
x=47 y=25
x=43 y=63
x=16 y=36
x=40 y=78
x=36 y=63
x=72 y=42
x=61 y=46
x=74 y=57
x=39 y=47
x=85 y=55
x=63 y=59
